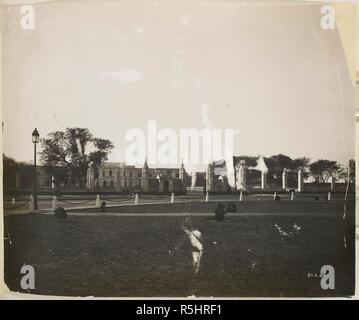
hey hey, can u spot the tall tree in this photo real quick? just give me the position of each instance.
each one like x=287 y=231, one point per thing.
x=74 y=149
x=322 y=170
x=300 y=163
x=276 y=164
x=303 y=164
x=249 y=160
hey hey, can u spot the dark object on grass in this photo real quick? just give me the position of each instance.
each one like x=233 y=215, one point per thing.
x=277 y=198
x=103 y=205
x=60 y=213
x=219 y=212
x=231 y=207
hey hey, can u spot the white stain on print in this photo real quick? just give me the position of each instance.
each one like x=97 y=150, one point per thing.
x=288 y=234
x=197 y=247
x=8 y=238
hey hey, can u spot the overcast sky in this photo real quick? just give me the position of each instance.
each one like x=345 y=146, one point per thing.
x=267 y=71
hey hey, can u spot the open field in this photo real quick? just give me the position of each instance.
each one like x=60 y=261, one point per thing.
x=147 y=255
x=312 y=208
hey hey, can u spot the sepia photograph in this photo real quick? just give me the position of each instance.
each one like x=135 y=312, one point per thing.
x=178 y=149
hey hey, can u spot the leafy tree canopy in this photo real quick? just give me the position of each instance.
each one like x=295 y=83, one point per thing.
x=322 y=170
x=74 y=148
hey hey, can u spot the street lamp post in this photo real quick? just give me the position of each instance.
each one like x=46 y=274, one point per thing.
x=35 y=141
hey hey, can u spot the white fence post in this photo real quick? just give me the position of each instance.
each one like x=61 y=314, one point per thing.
x=207 y=197
x=172 y=197
x=54 y=203
x=98 y=201
x=31 y=204
x=136 y=199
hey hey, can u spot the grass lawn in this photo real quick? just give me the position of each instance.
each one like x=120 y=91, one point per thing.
x=151 y=256
x=263 y=206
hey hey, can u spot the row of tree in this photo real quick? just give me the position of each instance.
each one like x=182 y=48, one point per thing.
x=65 y=155
x=320 y=171
x=68 y=154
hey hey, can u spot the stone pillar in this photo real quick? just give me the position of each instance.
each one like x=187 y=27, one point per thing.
x=54 y=203
x=52 y=181
x=182 y=173
x=31 y=204
x=145 y=178
x=98 y=201
x=209 y=178
x=300 y=180
x=90 y=177
x=242 y=177
x=122 y=177
x=18 y=180
x=285 y=179
x=332 y=184
x=193 y=179
x=264 y=180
